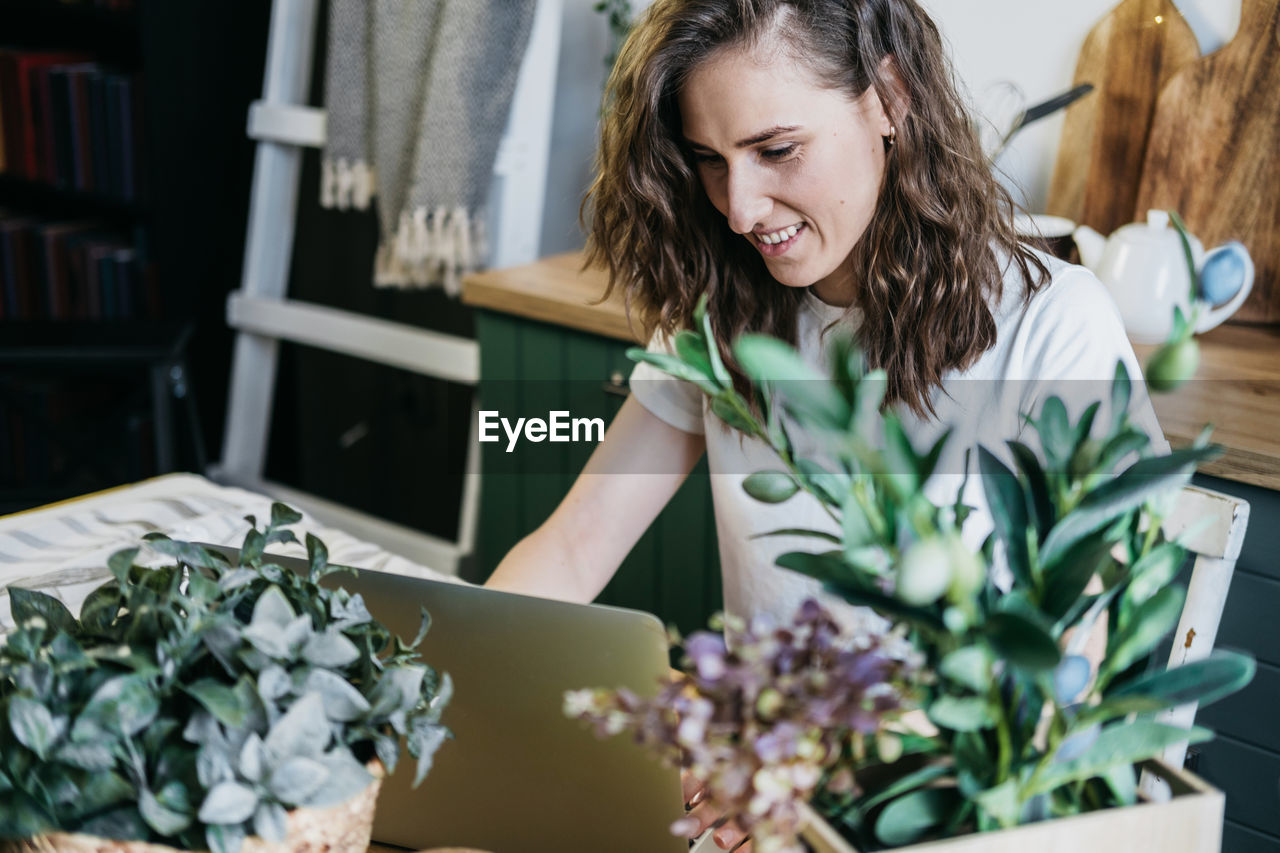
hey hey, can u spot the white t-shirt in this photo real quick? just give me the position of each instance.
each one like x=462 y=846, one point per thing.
x=1065 y=341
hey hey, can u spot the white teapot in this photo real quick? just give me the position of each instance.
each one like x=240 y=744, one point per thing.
x=1144 y=266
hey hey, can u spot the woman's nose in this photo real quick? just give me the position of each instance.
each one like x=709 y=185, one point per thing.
x=748 y=203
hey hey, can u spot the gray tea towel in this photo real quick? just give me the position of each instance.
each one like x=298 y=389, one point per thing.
x=417 y=94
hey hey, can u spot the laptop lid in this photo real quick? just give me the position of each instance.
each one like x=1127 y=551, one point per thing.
x=519 y=775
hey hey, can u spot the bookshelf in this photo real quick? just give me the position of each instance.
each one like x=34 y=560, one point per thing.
x=123 y=180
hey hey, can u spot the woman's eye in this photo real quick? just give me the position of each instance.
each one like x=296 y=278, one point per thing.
x=706 y=157
x=778 y=153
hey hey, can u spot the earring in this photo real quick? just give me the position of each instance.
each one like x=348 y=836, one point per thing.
x=893 y=134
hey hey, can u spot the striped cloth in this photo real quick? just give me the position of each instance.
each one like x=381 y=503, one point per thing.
x=63 y=549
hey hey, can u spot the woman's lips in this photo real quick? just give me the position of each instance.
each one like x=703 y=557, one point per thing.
x=773 y=250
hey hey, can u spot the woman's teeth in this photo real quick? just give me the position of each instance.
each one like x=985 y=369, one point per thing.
x=778 y=236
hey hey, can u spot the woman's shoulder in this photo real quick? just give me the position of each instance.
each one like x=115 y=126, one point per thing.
x=1067 y=288
x=1070 y=325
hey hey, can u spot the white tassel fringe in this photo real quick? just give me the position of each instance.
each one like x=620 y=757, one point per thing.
x=428 y=250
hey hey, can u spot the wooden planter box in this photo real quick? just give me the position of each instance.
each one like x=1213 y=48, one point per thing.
x=1190 y=822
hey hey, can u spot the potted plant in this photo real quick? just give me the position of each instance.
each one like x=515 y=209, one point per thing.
x=1021 y=727
x=207 y=704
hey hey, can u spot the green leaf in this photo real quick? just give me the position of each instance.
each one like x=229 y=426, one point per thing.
x=799 y=531
x=900 y=457
x=1123 y=743
x=845 y=581
x=228 y=802
x=1056 y=436
x=723 y=409
x=423 y=627
x=297 y=779
x=283 y=515
x=1066 y=579
x=1001 y=802
x=911 y=816
x=219 y=699
x=347 y=777
x=1150 y=622
x=27 y=604
x=224 y=838
x=693 y=351
x=1118 y=447
x=910 y=782
x=342 y=701
x=1129 y=490
x=33 y=725
x=1022 y=642
x=161 y=817
x=1037 y=484
x=673 y=366
x=718 y=370
x=400 y=688
x=253 y=758
x=94 y=756
x=1120 y=392
x=104 y=789
x=423 y=741
x=808 y=393
x=270 y=822
x=303 y=730
x=317 y=556
x=186 y=552
x=1117 y=706
x=120 y=563
x=331 y=650
x=961 y=714
x=968 y=666
x=1008 y=507
x=770 y=487
x=1154 y=571
x=1205 y=681
x=124 y=705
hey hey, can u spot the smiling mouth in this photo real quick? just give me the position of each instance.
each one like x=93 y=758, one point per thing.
x=774 y=243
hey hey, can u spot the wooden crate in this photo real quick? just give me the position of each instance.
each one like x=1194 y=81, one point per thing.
x=1190 y=822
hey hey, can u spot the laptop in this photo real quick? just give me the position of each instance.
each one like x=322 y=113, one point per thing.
x=518 y=775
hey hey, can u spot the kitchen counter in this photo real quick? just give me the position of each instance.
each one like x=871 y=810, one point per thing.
x=1237 y=387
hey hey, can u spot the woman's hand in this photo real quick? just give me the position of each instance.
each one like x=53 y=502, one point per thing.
x=727 y=835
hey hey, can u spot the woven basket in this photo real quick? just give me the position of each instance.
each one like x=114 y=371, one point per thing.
x=344 y=828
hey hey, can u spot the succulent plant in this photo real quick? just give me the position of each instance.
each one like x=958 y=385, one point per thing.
x=1024 y=726
x=195 y=702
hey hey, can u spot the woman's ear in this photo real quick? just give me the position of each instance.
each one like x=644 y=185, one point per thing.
x=898 y=103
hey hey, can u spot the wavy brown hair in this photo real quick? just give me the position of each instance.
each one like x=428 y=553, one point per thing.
x=930 y=261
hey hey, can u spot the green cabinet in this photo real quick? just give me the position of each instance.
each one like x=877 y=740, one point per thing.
x=529 y=369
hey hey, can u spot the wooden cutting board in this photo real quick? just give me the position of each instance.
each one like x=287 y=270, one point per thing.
x=1214 y=151
x=1128 y=56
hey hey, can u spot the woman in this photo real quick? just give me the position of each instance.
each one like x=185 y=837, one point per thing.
x=806 y=164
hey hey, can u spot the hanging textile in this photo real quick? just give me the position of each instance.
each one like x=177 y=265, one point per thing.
x=417 y=94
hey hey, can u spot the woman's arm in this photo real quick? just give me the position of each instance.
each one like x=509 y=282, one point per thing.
x=579 y=548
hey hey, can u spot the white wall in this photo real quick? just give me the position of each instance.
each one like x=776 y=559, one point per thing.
x=1029 y=43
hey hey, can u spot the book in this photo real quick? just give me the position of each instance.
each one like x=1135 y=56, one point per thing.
x=81 y=129
x=126 y=284
x=128 y=137
x=114 y=135
x=59 y=124
x=65 y=303
x=16 y=71
x=96 y=84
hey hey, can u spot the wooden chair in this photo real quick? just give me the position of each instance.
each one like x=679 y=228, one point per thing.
x=1216 y=523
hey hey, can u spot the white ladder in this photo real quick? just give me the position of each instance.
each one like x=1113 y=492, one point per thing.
x=263 y=315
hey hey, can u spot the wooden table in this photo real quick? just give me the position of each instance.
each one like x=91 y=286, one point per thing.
x=1237 y=387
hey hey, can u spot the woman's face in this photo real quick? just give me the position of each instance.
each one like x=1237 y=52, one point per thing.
x=794 y=167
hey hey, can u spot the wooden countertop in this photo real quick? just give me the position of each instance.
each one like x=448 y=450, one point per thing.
x=1237 y=387
x=555 y=290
